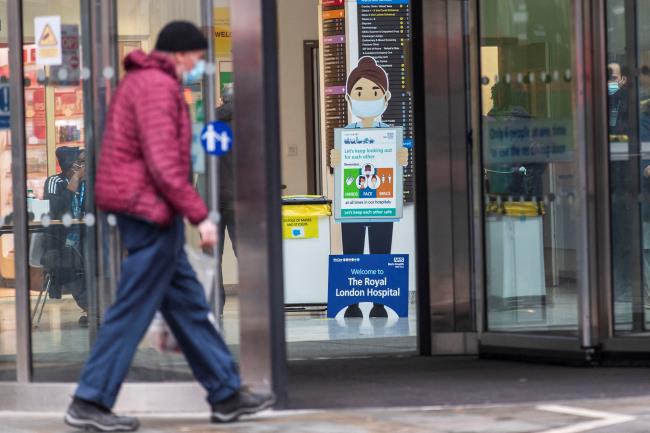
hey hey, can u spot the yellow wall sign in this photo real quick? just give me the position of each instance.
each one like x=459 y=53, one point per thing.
x=299 y=227
x=48 y=40
x=222 y=33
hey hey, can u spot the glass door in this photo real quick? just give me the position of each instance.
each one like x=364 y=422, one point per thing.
x=531 y=153
x=58 y=125
x=628 y=87
x=349 y=275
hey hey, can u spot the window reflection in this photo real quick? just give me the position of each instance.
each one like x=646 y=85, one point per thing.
x=57 y=193
x=529 y=164
x=628 y=88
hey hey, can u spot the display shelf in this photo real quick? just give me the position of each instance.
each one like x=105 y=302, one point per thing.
x=68 y=134
x=70 y=143
x=68 y=117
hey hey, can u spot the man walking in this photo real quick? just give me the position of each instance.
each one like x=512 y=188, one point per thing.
x=144 y=178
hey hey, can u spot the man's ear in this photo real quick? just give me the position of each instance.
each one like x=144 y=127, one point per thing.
x=388 y=95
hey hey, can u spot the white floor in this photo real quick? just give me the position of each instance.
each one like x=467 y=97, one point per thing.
x=59 y=341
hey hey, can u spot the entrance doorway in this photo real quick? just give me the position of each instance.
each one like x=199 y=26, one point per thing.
x=626 y=76
x=316 y=104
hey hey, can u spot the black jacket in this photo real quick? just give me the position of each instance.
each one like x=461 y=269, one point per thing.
x=619 y=108
x=60 y=197
x=226 y=164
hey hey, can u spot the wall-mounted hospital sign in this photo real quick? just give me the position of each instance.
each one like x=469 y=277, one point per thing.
x=368 y=179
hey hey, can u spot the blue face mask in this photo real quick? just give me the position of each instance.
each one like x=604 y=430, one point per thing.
x=368 y=109
x=195 y=75
x=613 y=88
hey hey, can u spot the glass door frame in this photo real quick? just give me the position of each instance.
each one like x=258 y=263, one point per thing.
x=581 y=347
x=263 y=357
x=614 y=346
x=95 y=99
x=19 y=177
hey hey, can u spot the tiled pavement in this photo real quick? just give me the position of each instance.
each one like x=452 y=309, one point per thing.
x=630 y=415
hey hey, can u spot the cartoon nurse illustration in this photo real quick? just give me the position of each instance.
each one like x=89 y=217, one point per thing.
x=368 y=95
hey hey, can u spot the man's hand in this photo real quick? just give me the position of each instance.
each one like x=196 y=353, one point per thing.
x=75 y=181
x=403 y=156
x=646 y=171
x=208 y=232
x=335 y=157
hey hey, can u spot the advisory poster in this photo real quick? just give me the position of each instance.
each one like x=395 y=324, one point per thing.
x=377 y=278
x=368 y=180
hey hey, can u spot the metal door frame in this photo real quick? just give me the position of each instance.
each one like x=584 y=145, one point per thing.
x=258 y=173
x=19 y=177
x=447 y=313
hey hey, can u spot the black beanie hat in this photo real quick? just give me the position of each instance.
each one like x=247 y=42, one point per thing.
x=180 y=36
x=67 y=156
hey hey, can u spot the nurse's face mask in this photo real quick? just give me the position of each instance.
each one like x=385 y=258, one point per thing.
x=367 y=99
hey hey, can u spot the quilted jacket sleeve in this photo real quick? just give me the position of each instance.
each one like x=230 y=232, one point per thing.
x=157 y=114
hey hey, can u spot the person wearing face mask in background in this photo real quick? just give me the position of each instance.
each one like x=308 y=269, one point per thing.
x=144 y=179
x=618 y=99
x=368 y=96
x=624 y=202
x=644 y=135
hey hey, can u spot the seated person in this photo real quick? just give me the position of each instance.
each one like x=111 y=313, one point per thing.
x=66 y=193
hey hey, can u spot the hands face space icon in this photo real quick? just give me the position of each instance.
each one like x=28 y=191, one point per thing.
x=349 y=181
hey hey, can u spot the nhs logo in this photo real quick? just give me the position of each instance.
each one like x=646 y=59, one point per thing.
x=398 y=259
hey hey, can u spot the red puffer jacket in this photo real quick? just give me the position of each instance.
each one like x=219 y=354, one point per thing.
x=144 y=167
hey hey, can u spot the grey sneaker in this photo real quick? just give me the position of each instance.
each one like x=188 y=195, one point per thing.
x=88 y=416
x=243 y=402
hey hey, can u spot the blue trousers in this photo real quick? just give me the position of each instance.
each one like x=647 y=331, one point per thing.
x=156 y=276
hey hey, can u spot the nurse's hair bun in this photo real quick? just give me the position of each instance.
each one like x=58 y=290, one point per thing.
x=369 y=69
